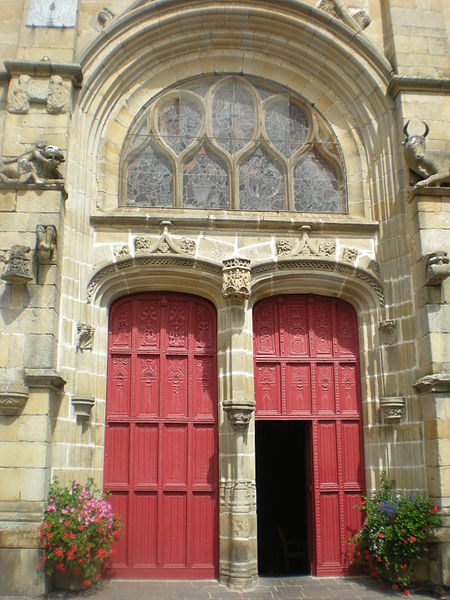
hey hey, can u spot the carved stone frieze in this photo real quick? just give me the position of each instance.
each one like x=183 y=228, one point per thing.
x=392 y=408
x=239 y=413
x=12 y=399
x=25 y=90
x=85 y=335
x=40 y=164
x=306 y=247
x=349 y=255
x=437 y=268
x=165 y=244
x=46 y=243
x=236 y=278
x=18 y=267
x=388 y=331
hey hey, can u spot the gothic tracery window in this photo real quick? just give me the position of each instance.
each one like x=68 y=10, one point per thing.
x=231 y=143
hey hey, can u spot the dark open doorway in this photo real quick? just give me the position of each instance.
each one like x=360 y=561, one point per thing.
x=282 y=460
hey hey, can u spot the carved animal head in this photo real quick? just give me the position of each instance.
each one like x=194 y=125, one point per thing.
x=415 y=144
x=54 y=153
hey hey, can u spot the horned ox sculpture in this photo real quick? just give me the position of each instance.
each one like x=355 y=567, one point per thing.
x=433 y=165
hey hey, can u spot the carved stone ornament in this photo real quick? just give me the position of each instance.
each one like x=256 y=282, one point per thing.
x=122 y=252
x=85 y=334
x=165 y=244
x=433 y=167
x=25 y=90
x=392 y=408
x=38 y=165
x=12 y=399
x=374 y=266
x=18 y=268
x=437 y=382
x=239 y=413
x=236 y=278
x=46 y=243
x=82 y=406
x=19 y=95
x=388 y=331
x=306 y=247
x=58 y=97
x=357 y=19
x=437 y=268
x=105 y=16
x=349 y=255
x=361 y=17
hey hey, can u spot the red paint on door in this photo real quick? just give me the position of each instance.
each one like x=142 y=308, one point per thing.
x=306 y=368
x=161 y=435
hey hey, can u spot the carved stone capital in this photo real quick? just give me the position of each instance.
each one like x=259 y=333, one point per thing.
x=12 y=399
x=239 y=413
x=82 y=406
x=388 y=331
x=392 y=408
x=46 y=243
x=18 y=267
x=437 y=268
x=236 y=278
x=85 y=334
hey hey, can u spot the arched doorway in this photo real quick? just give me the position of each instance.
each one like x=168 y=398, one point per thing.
x=308 y=413
x=161 y=435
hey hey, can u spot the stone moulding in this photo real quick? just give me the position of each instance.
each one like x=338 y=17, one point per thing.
x=239 y=413
x=392 y=408
x=42 y=68
x=82 y=406
x=44 y=378
x=157 y=260
x=12 y=399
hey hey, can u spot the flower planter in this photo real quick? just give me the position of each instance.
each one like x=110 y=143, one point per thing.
x=68 y=581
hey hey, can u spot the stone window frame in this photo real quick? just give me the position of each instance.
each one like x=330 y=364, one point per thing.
x=321 y=141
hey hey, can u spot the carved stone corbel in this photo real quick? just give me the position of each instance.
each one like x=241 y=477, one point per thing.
x=12 y=399
x=392 y=408
x=437 y=268
x=18 y=267
x=236 y=278
x=388 y=331
x=46 y=243
x=82 y=406
x=85 y=336
x=239 y=413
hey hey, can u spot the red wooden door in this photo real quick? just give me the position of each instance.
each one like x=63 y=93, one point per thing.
x=306 y=367
x=161 y=435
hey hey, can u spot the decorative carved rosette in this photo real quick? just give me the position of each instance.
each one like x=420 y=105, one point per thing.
x=393 y=408
x=239 y=413
x=437 y=268
x=236 y=278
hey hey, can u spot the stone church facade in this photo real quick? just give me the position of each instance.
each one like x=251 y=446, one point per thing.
x=216 y=263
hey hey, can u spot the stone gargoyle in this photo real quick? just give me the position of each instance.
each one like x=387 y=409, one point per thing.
x=39 y=165
x=432 y=166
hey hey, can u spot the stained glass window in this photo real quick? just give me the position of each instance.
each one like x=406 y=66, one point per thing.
x=261 y=185
x=233 y=116
x=205 y=182
x=182 y=145
x=150 y=179
x=179 y=123
x=316 y=187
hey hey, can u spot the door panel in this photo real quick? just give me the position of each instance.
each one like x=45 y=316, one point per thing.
x=161 y=435
x=306 y=368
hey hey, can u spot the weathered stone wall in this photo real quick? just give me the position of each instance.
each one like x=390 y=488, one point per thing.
x=82 y=88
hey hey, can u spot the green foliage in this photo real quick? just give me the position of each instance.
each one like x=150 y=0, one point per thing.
x=393 y=533
x=77 y=531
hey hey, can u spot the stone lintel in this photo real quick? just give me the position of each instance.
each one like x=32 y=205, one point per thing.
x=437 y=382
x=408 y=85
x=43 y=378
x=45 y=69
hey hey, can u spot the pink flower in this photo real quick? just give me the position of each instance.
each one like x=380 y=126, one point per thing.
x=412 y=539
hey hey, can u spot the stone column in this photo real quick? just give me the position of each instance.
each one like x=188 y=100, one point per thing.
x=238 y=556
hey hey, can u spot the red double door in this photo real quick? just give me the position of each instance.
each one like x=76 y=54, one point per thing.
x=306 y=369
x=161 y=435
